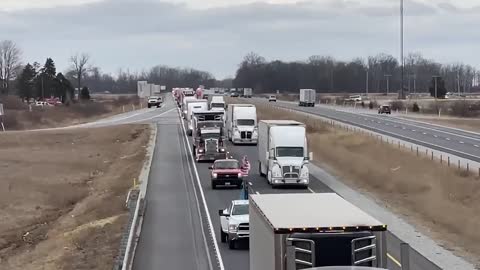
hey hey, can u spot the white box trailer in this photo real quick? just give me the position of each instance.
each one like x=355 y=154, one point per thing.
x=283 y=153
x=300 y=231
x=185 y=102
x=247 y=92
x=194 y=106
x=307 y=97
x=241 y=122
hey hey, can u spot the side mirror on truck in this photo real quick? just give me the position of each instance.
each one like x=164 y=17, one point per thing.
x=210 y=168
x=222 y=213
x=310 y=156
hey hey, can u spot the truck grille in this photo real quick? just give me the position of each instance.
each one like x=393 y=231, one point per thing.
x=246 y=134
x=229 y=176
x=244 y=227
x=211 y=145
x=290 y=172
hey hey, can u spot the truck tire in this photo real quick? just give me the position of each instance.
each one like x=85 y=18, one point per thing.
x=189 y=132
x=223 y=236
x=194 y=150
x=148 y=105
x=231 y=243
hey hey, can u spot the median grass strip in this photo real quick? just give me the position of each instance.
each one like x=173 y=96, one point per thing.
x=442 y=202
x=62 y=195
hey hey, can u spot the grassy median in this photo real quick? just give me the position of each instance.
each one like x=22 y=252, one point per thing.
x=442 y=202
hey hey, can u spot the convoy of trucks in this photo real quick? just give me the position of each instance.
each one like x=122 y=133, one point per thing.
x=283 y=153
x=302 y=231
x=307 y=98
x=285 y=231
x=241 y=122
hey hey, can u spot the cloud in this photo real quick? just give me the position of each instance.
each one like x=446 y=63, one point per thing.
x=137 y=34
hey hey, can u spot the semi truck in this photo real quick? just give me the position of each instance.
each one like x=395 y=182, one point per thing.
x=247 y=92
x=241 y=121
x=208 y=136
x=216 y=103
x=304 y=231
x=185 y=102
x=283 y=153
x=194 y=106
x=307 y=98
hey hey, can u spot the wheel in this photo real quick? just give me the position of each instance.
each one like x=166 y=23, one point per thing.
x=189 y=132
x=231 y=243
x=194 y=150
x=158 y=106
x=149 y=106
x=223 y=236
x=214 y=186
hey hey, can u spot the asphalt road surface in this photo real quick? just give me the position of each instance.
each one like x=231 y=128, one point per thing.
x=454 y=141
x=177 y=231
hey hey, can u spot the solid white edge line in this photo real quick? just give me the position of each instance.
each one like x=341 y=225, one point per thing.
x=209 y=219
x=257 y=192
x=198 y=206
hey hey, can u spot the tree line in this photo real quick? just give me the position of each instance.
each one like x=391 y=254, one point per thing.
x=376 y=73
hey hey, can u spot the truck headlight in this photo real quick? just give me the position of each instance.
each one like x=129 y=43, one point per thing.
x=214 y=175
x=200 y=150
x=276 y=171
x=240 y=175
x=222 y=150
x=304 y=173
x=232 y=227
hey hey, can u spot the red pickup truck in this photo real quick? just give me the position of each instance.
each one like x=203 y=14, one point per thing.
x=226 y=172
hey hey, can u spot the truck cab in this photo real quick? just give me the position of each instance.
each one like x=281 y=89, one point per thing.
x=242 y=125
x=217 y=103
x=208 y=136
x=304 y=231
x=234 y=223
x=283 y=152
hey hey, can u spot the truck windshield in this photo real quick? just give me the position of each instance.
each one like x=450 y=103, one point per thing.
x=289 y=151
x=218 y=105
x=240 y=209
x=245 y=122
x=228 y=164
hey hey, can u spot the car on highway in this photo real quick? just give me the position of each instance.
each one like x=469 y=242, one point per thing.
x=384 y=109
x=272 y=98
x=234 y=94
x=234 y=223
x=226 y=172
x=154 y=101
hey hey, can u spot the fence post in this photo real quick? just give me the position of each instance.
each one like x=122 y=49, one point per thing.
x=448 y=161
x=405 y=256
x=468 y=168
x=398 y=144
x=459 y=164
x=432 y=155
x=417 y=151
x=441 y=159
x=426 y=152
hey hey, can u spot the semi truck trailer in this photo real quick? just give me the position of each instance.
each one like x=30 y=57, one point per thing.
x=304 y=231
x=283 y=153
x=247 y=92
x=307 y=97
x=241 y=123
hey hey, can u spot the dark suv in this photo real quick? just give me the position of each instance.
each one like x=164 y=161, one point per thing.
x=384 y=109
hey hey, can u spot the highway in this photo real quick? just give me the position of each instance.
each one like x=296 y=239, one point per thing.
x=181 y=228
x=449 y=140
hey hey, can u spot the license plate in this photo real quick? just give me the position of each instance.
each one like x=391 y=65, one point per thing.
x=227 y=183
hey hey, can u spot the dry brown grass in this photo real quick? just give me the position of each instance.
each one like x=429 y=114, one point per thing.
x=442 y=201
x=18 y=117
x=62 y=195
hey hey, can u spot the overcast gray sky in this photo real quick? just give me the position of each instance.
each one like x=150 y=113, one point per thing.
x=214 y=35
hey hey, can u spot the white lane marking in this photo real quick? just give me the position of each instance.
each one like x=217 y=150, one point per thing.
x=158 y=115
x=311 y=190
x=198 y=208
x=257 y=192
x=424 y=133
x=387 y=124
x=378 y=122
x=476 y=145
x=250 y=183
x=436 y=136
x=413 y=130
x=365 y=119
x=395 y=126
x=209 y=219
x=403 y=128
x=461 y=142
x=108 y=121
x=448 y=139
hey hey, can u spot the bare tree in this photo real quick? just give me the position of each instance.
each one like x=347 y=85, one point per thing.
x=79 y=66
x=9 y=63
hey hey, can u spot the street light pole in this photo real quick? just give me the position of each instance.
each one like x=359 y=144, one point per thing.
x=367 y=84
x=402 y=96
x=436 y=86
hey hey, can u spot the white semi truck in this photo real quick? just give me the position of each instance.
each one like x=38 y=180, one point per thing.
x=217 y=103
x=194 y=106
x=184 y=106
x=283 y=153
x=304 y=231
x=242 y=123
x=307 y=97
x=247 y=92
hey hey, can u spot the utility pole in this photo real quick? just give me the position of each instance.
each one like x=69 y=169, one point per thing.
x=388 y=83
x=43 y=91
x=402 y=95
x=415 y=83
x=458 y=82
x=367 y=84
x=436 y=86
